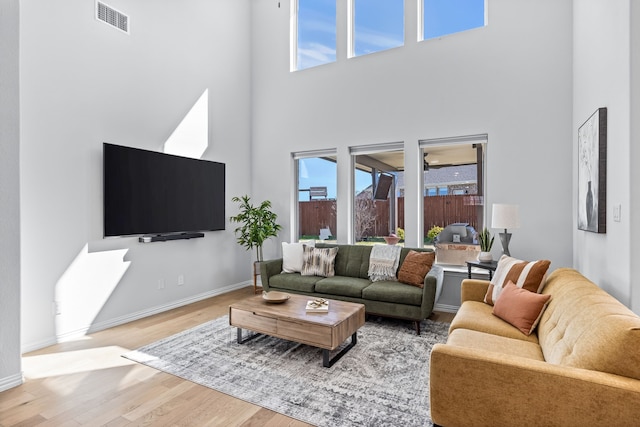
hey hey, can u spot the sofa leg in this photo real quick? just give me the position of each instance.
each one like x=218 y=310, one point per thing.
x=417 y=325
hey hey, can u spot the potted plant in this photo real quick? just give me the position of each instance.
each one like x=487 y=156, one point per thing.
x=257 y=224
x=486 y=242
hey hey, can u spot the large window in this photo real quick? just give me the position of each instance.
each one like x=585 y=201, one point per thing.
x=443 y=17
x=376 y=25
x=316 y=196
x=453 y=177
x=378 y=203
x=314 y=34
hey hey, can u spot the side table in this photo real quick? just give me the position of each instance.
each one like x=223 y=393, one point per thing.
x=491 y=266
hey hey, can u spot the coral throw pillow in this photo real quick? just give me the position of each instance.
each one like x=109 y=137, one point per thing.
x=318 y=262
x=415 y=267
x=520 y=307
x=527 y=275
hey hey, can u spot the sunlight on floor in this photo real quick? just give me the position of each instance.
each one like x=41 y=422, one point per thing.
x=74 y=362
x=191 y=137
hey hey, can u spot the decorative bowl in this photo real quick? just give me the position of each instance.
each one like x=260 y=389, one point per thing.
x=391 y=240
x=275 y=297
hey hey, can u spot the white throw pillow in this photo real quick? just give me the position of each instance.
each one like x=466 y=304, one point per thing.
x=292 y=256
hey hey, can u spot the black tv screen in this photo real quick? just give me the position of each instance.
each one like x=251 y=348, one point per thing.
x=147 y=192
x=381 y=191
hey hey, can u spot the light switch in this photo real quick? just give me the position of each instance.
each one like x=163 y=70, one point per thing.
x=617 y=211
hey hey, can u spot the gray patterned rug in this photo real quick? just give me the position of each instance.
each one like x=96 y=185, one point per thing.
x=382 y=381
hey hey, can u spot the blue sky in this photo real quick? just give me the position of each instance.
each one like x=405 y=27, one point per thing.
x=379 y=25
x=316 y=172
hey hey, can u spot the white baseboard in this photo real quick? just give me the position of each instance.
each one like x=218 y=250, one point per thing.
x=446 y=308
x=99 y=326
x=159 y=309
x=11 y=381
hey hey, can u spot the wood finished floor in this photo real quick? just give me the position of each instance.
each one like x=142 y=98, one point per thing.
x=86 y=382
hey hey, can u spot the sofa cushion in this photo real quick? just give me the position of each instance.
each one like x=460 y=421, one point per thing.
x=525 y=275
x=520 y=307
x=395 y=292
x=477 y=316
x=342 y=285
x=587 y=328
x=353 y=261
x=415 y=267
x=318 y=262
x=503 y=345
x=293 y=282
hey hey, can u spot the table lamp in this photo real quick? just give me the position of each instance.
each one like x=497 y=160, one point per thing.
x=505 y=216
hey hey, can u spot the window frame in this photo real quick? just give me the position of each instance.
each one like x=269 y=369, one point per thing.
x=482 y=139
x=359 y=150
x=294 y=12
x=294 y=212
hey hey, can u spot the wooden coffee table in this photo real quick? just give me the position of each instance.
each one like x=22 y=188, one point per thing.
x=290 y=321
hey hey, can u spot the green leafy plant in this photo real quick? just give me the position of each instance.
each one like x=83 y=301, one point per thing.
x=434 y=231
x=486 y=240
x=400 y=233
x=258 y=223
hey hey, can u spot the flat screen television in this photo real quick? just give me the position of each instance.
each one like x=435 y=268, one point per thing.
x=383 y=185
x=146 y=192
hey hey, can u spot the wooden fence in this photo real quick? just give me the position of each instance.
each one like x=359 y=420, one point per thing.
x=438 y=210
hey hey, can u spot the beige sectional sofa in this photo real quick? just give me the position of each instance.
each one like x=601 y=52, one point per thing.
x=580 y=368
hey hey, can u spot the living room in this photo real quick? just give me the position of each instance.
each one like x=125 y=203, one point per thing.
x=528 y=80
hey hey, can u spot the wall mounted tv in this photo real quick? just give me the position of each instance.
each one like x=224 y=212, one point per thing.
x=151 y=193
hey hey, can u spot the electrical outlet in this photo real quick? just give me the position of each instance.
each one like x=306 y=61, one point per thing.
x=160 y=284
x=180 y=279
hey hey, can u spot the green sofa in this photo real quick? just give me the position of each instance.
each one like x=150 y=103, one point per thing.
x=351 y=283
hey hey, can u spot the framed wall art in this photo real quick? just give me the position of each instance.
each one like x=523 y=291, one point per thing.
x=592 y=173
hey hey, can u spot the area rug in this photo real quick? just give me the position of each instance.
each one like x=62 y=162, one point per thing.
x=382 y=381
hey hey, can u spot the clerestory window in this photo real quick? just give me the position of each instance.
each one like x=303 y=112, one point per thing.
x=313 y=33
x=376 y=25
x=444 y=17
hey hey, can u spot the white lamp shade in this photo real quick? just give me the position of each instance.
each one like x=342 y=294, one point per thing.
x=505 y=216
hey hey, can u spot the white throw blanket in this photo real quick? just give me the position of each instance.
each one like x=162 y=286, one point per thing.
x=383 y=262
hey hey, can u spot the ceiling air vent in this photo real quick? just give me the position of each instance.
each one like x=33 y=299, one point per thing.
x=110 y=16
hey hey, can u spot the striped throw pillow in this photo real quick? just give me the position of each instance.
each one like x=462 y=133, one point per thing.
x=318 y=261
x=529 y=275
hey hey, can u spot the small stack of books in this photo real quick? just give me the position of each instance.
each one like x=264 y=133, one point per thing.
x=318 y=305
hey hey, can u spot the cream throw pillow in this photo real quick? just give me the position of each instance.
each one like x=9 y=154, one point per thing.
x=292 y=256
x=524 y=274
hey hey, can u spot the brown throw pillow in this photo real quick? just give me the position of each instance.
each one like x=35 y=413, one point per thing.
x=523 y=274
x=415 y=267
x=520 y=307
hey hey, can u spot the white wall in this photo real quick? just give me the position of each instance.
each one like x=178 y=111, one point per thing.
x=84 y=83
x=511 y=80
x=602 y=79
x=10 y=366
x=634 y=216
